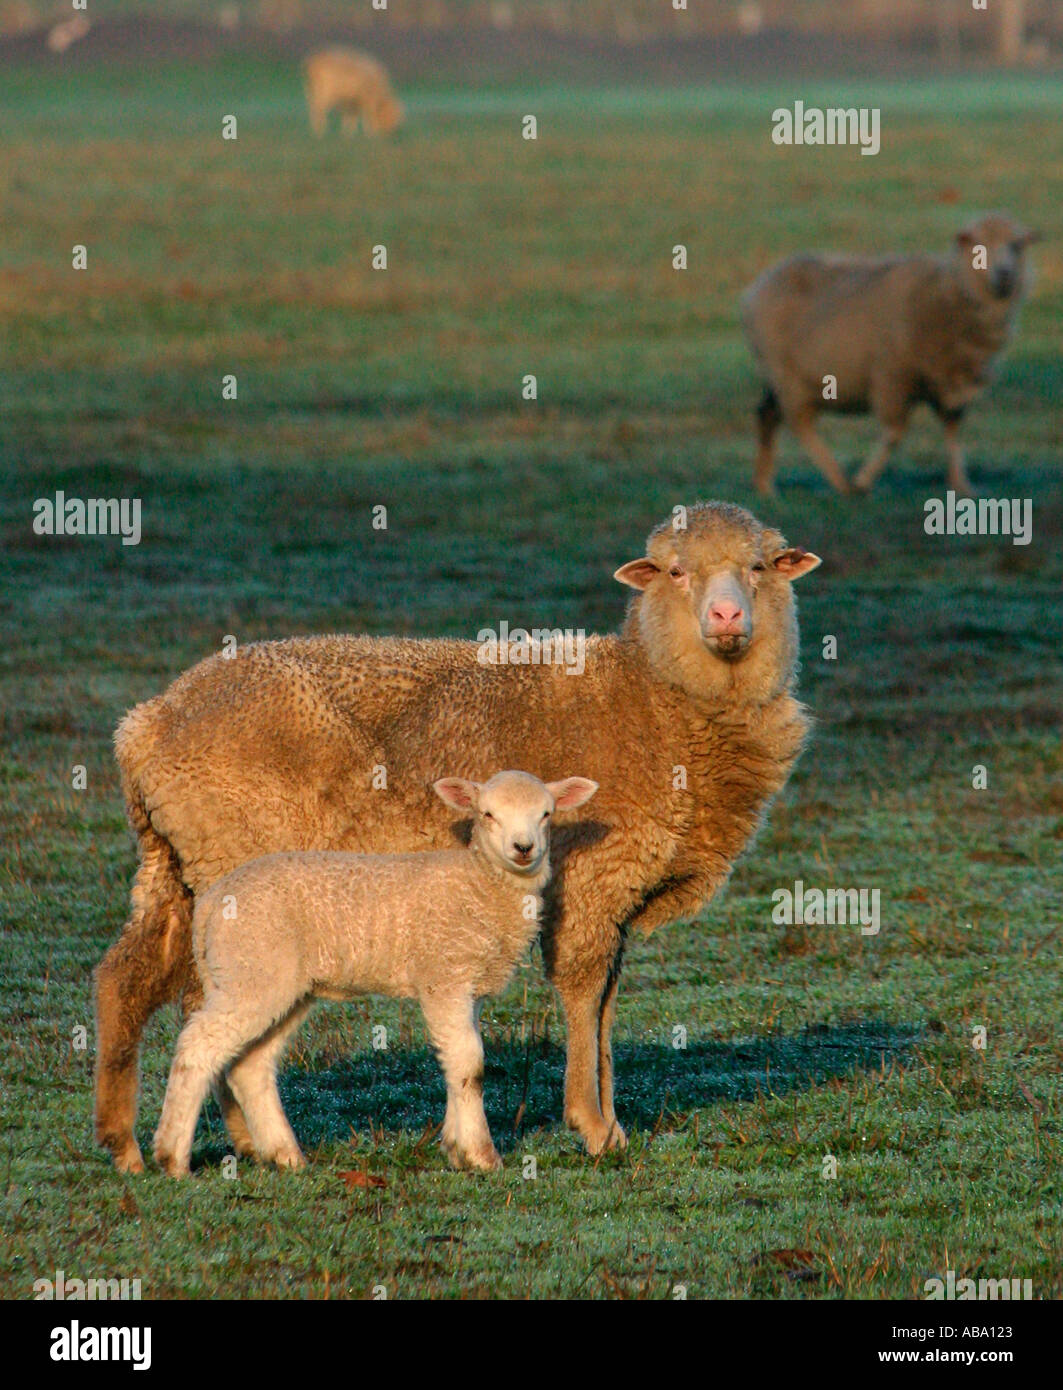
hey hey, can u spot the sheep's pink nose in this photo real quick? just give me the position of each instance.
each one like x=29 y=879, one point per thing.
x=725 y=614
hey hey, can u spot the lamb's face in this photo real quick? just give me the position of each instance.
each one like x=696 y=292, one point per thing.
x=511 y=814
x=717 y=579
x=993 y=255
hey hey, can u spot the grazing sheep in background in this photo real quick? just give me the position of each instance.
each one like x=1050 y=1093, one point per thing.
x=344 y=80
x=686 y=719
x=444 y=928
x=891 y=332
x=67 y=32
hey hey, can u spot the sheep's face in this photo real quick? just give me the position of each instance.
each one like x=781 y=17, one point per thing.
x=511 y=814
x=717 y=590
x=993 y=255
x=388 y=115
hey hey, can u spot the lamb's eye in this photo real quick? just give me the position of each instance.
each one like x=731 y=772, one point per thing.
x=545 y=815
x=488 y=815
x=758 y=567
x=676 y=572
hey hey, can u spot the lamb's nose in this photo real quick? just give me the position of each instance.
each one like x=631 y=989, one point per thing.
x=522 y=849
x=725 y=613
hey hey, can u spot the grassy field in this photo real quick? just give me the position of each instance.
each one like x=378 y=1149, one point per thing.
x=402 y=387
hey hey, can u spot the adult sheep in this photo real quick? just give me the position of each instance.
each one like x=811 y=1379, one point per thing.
x=686 y=718
x=355 y=85
x=855 y=334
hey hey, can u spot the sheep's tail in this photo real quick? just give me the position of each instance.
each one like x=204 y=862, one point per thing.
x=159 y=892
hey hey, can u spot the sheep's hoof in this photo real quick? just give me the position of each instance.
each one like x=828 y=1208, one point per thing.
x=599 y=1135
x=128 y=1159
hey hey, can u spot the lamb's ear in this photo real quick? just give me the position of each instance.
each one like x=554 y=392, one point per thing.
x=457 y=792
x=637 y=573
x=572 y=792
x=795 y=562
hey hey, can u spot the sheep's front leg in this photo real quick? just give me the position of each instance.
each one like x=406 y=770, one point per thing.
x=957 y=471
x=605 y=1060
x=453 y=1027
x=583 y=1096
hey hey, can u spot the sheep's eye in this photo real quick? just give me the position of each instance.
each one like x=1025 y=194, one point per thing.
x=488 y=815
x=545 y=815
x=676 y=572
x=759 y=567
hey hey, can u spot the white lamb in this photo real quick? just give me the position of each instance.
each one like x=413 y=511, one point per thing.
x=445 y=927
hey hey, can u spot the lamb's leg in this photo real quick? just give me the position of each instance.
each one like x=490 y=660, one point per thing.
x=191 y=1002
x=605 y=1060
x=211 y=1039
x=769 y=418
x=253 y=1079
x=148 y=965
x=805 y=429
x=349 y=120
x=958 y=480
x=452 y=1026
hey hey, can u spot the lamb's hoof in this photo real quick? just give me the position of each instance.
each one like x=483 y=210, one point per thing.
x=172 y=1166
x=484 y=1159
x=288 y=1158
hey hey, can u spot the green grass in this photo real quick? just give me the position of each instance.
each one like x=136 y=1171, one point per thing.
x=403 y=388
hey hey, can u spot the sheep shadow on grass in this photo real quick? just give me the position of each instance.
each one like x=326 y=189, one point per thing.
x=402 y=1089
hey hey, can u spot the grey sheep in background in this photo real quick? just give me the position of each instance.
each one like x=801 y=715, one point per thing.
x=880 y=335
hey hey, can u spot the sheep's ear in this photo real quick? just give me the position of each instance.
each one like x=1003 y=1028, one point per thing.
x=572 y=792
x=457 y=792
x=795 y=562
x=637 y=573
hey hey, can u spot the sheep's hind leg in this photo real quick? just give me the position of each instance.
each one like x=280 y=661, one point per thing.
x=769 y=419
x=253 y=1079
x=805 y=429
x=882 y=453
x=147 y=966
x=452 y=1026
